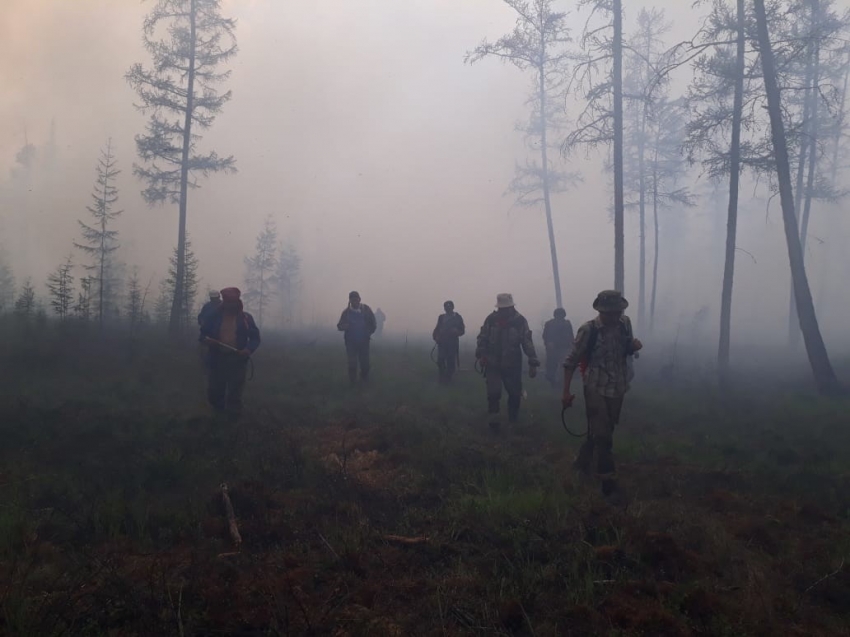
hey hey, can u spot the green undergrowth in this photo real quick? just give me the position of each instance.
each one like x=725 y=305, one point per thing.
x=735 y=520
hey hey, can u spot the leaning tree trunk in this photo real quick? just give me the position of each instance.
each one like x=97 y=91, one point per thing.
x=174 y=323
x=793 y=320
x=813 y=146
x=824 y=375
x=732 y=215
x=544 y=159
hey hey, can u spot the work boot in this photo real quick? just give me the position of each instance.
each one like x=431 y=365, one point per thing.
x=584 y=459
x=605 y=457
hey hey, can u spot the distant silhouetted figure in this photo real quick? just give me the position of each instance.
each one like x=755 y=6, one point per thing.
x=557 y=339
x=602 y=350
x=232 y=336
x=210 y=307
x=447 y=335
x=380 y=319
x=504 y=337
x=358 y=323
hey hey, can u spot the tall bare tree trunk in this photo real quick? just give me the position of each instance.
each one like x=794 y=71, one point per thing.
x=619 y=200
x=175 y=324
x=824 y=375
x=655 y=245
x=642 y=218
x=813 y=139
x=820 y=301
x=262 y=295
x=544 y=159
x=734 y=188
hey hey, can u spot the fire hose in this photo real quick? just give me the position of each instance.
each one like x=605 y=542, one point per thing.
x=567 y=429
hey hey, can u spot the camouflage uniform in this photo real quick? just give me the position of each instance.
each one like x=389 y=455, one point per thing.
x=558 y=339
x=603 y=353
x=504 y=337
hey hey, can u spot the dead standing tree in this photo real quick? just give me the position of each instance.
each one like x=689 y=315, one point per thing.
x=644 y=88
x=538 y=44
x=665 y=169
x=188 y=41
x=824 y=375
x=725 y=81
x=601 y=122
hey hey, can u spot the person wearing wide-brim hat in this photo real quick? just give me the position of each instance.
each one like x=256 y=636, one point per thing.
x=603 y=349
x=504 y=337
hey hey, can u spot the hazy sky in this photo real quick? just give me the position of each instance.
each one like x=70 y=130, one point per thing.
x=357 y=126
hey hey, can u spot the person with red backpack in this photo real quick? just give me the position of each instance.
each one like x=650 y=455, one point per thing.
x=232 y=337
x=603 y=349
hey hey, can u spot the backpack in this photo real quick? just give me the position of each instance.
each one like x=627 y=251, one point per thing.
x=627 y=336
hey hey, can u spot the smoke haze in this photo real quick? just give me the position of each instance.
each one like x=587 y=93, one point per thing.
x=381 y=156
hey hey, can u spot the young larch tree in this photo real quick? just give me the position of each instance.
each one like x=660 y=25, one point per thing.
x=287 y=282
x=60 y=284
x=260 y=269
x=190 y=283
x=99 y=241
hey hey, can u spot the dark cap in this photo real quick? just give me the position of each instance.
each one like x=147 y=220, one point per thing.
x=354 y=295
x=230 y=295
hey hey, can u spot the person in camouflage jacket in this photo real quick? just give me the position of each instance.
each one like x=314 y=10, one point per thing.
x=503 y=339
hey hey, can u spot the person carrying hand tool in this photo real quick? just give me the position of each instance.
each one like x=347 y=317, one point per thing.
x=504 y=337
x=232 y=337
x=603 y=350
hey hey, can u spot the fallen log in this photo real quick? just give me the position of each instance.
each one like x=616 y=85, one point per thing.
x=231 y=517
